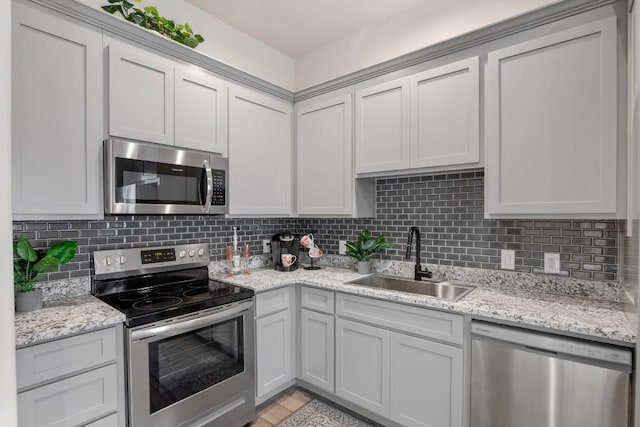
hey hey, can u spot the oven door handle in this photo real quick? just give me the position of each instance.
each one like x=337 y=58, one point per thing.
x=189 y=325
x=207 y=200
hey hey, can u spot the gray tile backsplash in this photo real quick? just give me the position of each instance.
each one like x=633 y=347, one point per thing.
x=448 y=208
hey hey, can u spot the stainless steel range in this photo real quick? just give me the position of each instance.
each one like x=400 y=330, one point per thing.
x=189 y=339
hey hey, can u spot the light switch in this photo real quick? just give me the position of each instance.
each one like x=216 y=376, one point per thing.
x=508 y=259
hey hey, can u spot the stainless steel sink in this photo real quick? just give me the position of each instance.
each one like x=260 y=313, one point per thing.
x=432 y=288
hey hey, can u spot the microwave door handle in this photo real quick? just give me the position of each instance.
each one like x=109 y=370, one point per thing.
x=207 y=201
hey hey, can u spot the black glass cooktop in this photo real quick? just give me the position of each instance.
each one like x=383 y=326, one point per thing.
x=167 y=297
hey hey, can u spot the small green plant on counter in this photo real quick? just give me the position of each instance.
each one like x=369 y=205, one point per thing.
x=29 y=263
x=366 y=246
x=150 y=19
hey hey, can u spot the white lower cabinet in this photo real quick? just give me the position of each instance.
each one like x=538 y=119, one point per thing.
x=72 y=381
x=274 y=366
x=317 y=349
x=72 y=401
x=412 y=381
x=426 y=383
x=362 y=365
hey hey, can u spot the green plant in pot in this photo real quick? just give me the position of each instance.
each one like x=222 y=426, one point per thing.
x=29 y=263
x=366 y=246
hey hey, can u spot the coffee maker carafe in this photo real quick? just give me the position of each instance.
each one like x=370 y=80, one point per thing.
x=287 y=244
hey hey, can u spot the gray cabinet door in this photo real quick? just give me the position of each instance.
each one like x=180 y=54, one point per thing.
x=72 y=401
x=551 y=120
x=382 y=127
x=141 y=96
x=56 y=116
x=445 y=115
x=362 y=365
x=426 y=383
x=260 y=154
x=317 y=349
x=324 y=144
x=273 y=350
x=200 y=110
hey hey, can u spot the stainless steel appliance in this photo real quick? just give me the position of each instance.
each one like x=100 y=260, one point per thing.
x=145 y=178
x=530 y=379
x=285 y=243
x=189 y=340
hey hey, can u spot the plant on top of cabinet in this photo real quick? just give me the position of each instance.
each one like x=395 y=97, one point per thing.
x=29 y=263
x=364 y=247
x=150 y=19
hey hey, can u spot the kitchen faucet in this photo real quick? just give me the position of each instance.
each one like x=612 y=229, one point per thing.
x=419 y=272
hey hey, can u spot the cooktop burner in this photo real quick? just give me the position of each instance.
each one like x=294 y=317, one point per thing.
x=206 y=292
x=157 y=303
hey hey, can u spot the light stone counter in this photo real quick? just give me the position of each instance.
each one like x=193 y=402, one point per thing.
x=529 y=307
x=63 y=317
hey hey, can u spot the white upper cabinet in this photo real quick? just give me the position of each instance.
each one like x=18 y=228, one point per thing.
x=324 y=145
x=154 y=99
x=200 y=111
x=445 y=115
x=551 y=119
x=260 y=169
x=140 y=94
x=56 y=116
x=382 y=127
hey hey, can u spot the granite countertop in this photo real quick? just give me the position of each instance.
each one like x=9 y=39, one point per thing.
x=64 y=316
x=591 y=318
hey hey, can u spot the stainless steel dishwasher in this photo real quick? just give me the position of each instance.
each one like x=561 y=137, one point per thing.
x=529 y=379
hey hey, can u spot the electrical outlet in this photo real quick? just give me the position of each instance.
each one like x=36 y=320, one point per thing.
x=342 y=248
x=266 y=246
x=508 y=259
x=552 y=263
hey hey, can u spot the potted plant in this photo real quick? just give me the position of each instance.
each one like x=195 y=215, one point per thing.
x=28 y=263
x=363 y=248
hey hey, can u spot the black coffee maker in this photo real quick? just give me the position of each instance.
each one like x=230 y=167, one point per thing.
x=287 y=244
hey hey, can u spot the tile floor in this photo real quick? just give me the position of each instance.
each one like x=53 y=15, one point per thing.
x=280 y=407
x=289 y=405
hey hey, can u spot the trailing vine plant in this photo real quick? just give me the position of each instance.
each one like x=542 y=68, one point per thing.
x=149 y=18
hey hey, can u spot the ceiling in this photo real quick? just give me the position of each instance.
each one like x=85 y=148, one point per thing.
x=296 y=27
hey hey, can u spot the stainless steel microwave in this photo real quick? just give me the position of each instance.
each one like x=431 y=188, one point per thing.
x=145 y=178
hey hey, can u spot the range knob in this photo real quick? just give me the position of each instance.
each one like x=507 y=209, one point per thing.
x=192 y=253
x=200 y=251
x=108 y=260
x=122 y=259
x=182 y=254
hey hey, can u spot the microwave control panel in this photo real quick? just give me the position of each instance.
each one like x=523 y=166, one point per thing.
x=219 y=197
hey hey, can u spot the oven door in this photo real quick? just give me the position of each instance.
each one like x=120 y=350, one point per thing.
x=143 y=178
x=194 y=370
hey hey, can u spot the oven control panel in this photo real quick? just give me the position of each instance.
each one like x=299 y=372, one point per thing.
x=158 y=255
x=129 y=262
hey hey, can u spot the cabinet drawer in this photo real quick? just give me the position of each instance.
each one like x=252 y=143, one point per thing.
x=318 y=299
x=272 y=301
x=45 y=362
x=420 y=321
x=72 y=401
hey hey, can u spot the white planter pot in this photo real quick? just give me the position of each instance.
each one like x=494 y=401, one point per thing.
x=364 y=267
x=28 y=301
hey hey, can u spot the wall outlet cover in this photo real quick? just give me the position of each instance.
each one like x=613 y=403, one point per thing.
x=552 y=263
x=508 y=259
x=266 y=246
x=342 y=249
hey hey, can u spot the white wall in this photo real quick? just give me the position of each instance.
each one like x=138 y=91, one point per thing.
x=417 y=28
x=7 y=338
x=225 y=43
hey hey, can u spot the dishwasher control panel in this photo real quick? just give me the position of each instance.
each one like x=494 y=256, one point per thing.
x=548 y=343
